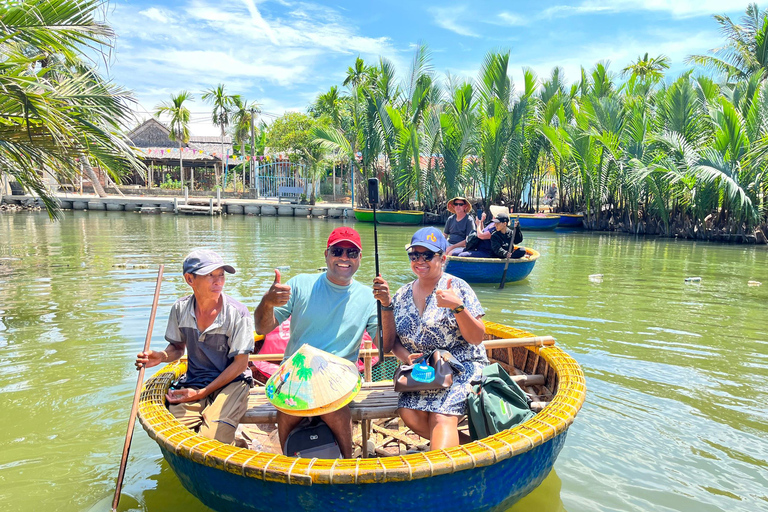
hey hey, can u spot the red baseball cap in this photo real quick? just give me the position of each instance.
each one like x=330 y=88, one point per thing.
x=345 y=234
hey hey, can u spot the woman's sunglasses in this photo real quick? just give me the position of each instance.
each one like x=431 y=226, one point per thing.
x=459 y=204
x=352 y=253
x=424 y=256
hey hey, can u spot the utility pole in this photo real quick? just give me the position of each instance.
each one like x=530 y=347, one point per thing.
x=254 y=184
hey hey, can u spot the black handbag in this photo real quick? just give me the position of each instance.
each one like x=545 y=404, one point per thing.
x=445 y=365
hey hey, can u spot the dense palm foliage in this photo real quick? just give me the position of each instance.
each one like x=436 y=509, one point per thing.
x=57 y=114
x=648 y=154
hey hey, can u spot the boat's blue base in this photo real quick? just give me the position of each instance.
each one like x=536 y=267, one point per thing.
x=490 y=488
x=571 y=222
x=541 y=224
x=489 y=270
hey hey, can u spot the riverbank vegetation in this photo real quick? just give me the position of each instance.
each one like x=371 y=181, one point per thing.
x=637 y=151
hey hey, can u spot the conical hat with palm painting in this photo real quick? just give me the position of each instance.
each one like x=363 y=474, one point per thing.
x=313 y=382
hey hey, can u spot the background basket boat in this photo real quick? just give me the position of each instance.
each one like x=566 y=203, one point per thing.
x=537 y=221
x=490 y=270
x=571 y=220
x=489 y=474
x=394 y=217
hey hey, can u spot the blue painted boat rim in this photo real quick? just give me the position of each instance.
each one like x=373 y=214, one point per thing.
x=532 y=255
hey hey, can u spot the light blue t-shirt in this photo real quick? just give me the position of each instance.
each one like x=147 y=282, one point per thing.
x=328 y=316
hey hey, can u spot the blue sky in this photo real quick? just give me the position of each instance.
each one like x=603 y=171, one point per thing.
x=284 y=53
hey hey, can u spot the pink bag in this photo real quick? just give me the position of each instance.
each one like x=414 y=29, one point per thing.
x=276 y=341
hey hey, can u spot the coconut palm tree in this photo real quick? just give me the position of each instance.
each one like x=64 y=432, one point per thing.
x=179 y=123
x=647 y=68
x=221 y=116
x=746 y=50
x=55 y=109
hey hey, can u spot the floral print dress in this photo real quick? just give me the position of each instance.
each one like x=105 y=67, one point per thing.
x=437 y=328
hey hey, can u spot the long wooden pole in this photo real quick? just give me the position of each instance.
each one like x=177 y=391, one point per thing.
x=136 y=394
x=509 y=253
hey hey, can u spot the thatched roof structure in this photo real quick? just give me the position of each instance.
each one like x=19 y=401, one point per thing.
x=152 y=140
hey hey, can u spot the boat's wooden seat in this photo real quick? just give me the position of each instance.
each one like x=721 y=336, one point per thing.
x=377 y=400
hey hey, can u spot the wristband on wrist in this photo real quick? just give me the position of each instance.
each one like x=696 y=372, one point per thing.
x=458 y=309
x=388 y=308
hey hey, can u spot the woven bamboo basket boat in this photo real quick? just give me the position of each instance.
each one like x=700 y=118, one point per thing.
x=490 y=270
x=488 y=474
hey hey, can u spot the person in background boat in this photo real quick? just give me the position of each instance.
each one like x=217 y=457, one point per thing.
x=459 y=225
x=329 y=311
x=437 y=310
x=503 y=237
x=217 y=333
x=551 y=196
x=478 y=243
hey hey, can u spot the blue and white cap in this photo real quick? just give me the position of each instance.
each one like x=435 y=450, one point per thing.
x=431 y=238
x=202 y=262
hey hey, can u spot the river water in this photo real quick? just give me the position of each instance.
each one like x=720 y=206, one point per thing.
x=675 y=417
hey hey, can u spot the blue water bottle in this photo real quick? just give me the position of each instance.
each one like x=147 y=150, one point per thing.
x=422 y=372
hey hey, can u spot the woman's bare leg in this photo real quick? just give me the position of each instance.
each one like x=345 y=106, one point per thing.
x=444 y=429
x=416 y=420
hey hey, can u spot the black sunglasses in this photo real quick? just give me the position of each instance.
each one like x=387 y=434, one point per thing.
x=459 y=204
x=352 y=253
x=425 y=256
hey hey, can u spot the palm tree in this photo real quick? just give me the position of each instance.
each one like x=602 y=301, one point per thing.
x=220 y=116
x=243 y=115
x=179 y=124
x=55 y=109
x=746 y=50
x=647 y=68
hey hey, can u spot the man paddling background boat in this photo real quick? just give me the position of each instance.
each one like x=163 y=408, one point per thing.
x=329 y=311
x=217 y=333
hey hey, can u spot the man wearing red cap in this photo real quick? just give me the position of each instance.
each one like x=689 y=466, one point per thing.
x=329 y=311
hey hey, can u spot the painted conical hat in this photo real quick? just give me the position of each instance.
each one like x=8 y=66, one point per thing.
x=496 y=209
x=313 y=382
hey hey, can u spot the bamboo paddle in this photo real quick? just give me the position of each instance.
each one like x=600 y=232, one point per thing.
x=506 y=265
x=135 y=406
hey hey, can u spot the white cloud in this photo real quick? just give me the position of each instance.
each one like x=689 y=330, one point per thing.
x=155 y=14
x=453 y=19
x=676 y=8
x=509 y=18
x=250 y=49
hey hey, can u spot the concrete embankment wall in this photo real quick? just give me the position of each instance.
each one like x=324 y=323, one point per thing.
x=168 y=205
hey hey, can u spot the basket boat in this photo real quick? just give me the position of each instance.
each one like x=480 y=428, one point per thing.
x=571 y=220
x=394 y=217
x=490 y=270
x=537 y=221
x=488 y=474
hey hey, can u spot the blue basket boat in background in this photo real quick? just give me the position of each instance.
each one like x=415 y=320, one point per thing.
x=536 y=221
x=490 y=270
x=571 y=220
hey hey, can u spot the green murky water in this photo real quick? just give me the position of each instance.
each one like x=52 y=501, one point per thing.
x=676 y=416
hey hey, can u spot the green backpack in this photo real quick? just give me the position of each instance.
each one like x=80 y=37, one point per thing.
x=495 y=403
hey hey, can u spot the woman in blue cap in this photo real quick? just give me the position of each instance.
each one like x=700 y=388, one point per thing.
x=437 y=310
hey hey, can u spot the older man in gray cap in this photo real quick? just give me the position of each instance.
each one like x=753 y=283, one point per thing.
x=217 y=333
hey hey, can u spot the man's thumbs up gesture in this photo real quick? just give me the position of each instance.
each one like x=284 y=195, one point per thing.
x=278 y=294
x=447 y=298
